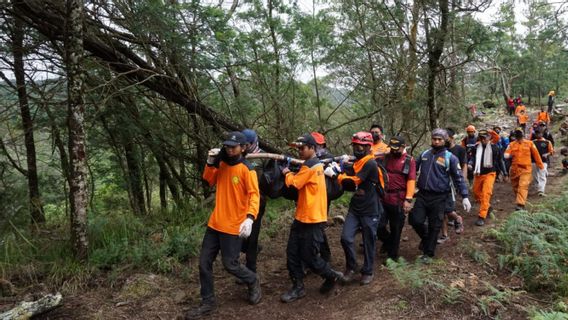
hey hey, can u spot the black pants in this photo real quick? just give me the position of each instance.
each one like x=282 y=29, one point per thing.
x=304 y=247
x=394 y=217
x=250 y=245
x=368 y=226
x=429 y=206
x=230 y=247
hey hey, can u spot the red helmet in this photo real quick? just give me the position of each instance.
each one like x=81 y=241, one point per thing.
x=364 y=138
x=320 y=139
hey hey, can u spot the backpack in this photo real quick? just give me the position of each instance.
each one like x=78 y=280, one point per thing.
x=383 y=179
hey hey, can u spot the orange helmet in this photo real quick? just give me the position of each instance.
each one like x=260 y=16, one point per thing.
x=361 y=137
x=320 y=139
x=470 y=128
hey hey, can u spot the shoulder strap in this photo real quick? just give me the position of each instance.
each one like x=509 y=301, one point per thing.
x=406 y=167
x=447 y=157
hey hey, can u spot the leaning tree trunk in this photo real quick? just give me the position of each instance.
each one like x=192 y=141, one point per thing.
x=36 y=207
x=75 y=121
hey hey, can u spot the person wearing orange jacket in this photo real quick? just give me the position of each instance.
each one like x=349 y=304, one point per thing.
x=307 y=231
x=236 y=208
x=485 y=164
x=521 y=152
x=379 y=147
x=546 y=150
x=364 y=208
x=544 y=116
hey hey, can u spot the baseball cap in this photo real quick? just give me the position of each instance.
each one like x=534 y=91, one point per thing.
x=483 y=133
x=235 y=138
x=303 y=140
x=396 y=142
x=250 y=135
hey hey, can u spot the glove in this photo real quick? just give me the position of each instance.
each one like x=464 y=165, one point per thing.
x=332 y=170
x=344 y=158
x=545 y=172
x=246 y=228
x=212 y=155
x=466 y=204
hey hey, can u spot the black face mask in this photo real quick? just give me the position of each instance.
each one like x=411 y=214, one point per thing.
x=376 y=137
x=359 y=154
x=438 y=148
x=396 y=154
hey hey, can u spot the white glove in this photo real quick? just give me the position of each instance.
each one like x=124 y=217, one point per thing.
x=329 y=172
x=545 y=172
x=466 y=204
x=212 y=155
x=344 y=158
x=246 y=228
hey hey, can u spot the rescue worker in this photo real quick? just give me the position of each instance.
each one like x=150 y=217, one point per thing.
x=379 y=148
x=510 y=106
x=541 y=126
x=543 y=116
x=551 y=95
x=250 y=246
x=364 y=208
x=523 y=119
x=437 y=168
x=520 y=152
x=307 y=230
x=321 y=147
x=236 y=208
x=469 y=142
x=545 y=150
x=486 y=164
x=397 y=202
x=451 y=217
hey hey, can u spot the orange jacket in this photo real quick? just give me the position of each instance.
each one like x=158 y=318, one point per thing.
x=523 y=118
x=521 y=153
x=543 y=116
x=237 y=195
x=312 y=195
x=520 y=108
x=379 y=149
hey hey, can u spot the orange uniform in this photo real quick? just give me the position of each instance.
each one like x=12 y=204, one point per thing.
x=237 y=195
x=312 y=195
x=357 y=166
x=523 y=118
x=521 y=169
x=543 y=116
x=520 y=108
x=379 y=149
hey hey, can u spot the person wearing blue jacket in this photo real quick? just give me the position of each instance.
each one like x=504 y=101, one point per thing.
x=438 y=168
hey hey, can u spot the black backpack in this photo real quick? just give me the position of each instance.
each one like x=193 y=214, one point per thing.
x=271 y=182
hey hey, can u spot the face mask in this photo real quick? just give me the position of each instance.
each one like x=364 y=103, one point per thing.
x=438 y=148
x=396 y=154
x=376 y=137
x=320 y=151
x=359 y=154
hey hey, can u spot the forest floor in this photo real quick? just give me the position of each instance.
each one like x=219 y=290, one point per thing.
x=463 y=282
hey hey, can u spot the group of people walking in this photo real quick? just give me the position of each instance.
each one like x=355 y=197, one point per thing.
x=387 y=185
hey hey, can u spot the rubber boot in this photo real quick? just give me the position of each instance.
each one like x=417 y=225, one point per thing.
x=297 y=292
x=254 y=292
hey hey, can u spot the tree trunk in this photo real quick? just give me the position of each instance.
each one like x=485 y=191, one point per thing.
x=163 y=196
x=132 y=155
x=75 y=121
x=36 y=207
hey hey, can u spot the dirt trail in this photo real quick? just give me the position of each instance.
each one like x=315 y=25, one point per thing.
x=384 y=298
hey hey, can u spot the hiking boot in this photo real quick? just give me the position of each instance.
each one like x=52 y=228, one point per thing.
x=366 y=279
x=254 y=292
x=519 y=207
x=203 y=310
x=458 y=226
x=239 y=282
x=348 y=276
x=541 y=194
x=442 y=239
x=297 y=292
x=480 y=222
x=330 y=282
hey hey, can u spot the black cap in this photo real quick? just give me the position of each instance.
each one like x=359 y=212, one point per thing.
x=235 y=138
x=396 y=142
x=305 y=139
x=519 y=129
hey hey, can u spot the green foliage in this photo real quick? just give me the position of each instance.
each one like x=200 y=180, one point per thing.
x=549 y=315
x=408 y=275
x=497 y=299
x=536 y=245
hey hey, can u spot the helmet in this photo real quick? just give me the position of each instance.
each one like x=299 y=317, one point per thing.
x=470 y=128
x=362 y=137
x=320 y=139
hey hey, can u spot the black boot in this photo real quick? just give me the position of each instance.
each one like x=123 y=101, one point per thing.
x=297 y=292
x=254 y=292
x=203 y=310
x=331 y=280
